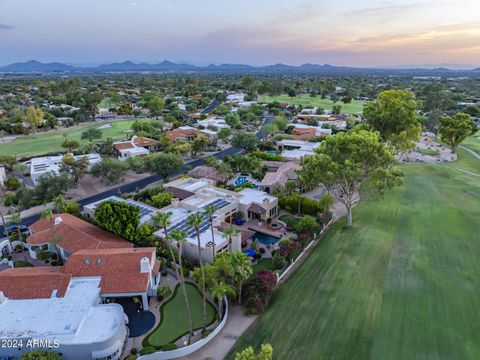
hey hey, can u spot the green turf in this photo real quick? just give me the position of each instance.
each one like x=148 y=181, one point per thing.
x=427 y=152
x=21 y=263
x=466 y=161
x=473 y=142
x=403 y=283
x=51 y=142
x=264 y=264
x=355 y=107
x=174 y=321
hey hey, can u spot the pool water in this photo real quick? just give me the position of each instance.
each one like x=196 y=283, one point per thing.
x=250 y=252
x=271 y=152
x=241 y=180
x=265 y=239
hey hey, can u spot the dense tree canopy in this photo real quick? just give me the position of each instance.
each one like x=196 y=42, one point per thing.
x=119 y=218
x=394 y=116
x=346 y=162
x=454 y=130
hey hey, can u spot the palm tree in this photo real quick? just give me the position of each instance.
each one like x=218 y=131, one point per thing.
x=180 y=237
x=162 y=220
x=16 y=218
x=229 y=232
x=241 y=269
x=210 y=211
x=8 y=234
x=326 y=201
x=219 y=290
x=195 y=220
x=60 y=203
x=54 y=240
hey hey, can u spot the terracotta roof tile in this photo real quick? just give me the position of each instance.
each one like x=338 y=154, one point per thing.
x=182 y=133
x=119 y=268
x=33 y=282
x=76 y=234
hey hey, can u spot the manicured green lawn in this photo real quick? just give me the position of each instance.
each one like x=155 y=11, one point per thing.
x=473 y=142
x=355 y=107
x=174 y=321
x=427 y=152
x=403 y=283
x=52 y=141
x=266 y=264
x=466 y=161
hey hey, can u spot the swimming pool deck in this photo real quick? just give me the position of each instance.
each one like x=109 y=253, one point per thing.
x=264 y=228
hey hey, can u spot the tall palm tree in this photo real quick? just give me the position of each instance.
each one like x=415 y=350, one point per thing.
x=8 y=234
x=229 y=232
x=54 y=240
x=180 y=237
x=60 y=203
x=210 y=211
x=241 y=270
x=219 y=290
x=162 y=220
x=195 y=220
x=16 y=218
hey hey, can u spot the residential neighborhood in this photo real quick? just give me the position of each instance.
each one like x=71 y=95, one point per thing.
x=305 y=185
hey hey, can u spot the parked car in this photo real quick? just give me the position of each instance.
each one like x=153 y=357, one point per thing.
x=13 y=229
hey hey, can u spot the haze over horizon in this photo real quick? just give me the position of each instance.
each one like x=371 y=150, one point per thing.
x=371 y=34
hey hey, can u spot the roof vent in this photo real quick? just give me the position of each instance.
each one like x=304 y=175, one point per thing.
x=58 y=220
x=86 y=261
x=144 y=265
x=99 y=261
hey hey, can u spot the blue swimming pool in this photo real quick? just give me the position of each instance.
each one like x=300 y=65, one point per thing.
x=241 y=180
x=271 y=152
x=265 y=239
x=250 y=252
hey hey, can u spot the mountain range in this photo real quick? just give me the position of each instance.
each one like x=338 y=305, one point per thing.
x=34 y=66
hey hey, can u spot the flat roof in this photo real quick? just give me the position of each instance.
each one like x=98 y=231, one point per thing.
x=178 y=220
x=251 y=195
x=75 y=318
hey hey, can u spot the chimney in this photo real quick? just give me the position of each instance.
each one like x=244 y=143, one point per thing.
x=54 y=293
x=58 y=220
x=144 y=265
x=175 y=202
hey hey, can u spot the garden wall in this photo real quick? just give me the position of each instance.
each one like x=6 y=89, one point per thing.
x=289 y=270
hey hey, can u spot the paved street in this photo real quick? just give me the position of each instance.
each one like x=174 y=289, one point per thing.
x=140 y=184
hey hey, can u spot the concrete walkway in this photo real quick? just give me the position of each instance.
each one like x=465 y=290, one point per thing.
x=477 y=155
x=220 y=346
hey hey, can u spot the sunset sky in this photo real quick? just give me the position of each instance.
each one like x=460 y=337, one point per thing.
x=340 y=32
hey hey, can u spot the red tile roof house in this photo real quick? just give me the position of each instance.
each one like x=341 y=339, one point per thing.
x=76 y=234
x=122 y=272
x=137 y=146
x=183 y=134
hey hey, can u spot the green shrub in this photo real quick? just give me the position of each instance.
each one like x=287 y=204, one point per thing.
x=168 y=347
x=133 y=351
x=163 y=292
x=307 y=206
x=12 y=183
x=130 y=357
x=147 y=350
x=42 y=255
x=10 y=200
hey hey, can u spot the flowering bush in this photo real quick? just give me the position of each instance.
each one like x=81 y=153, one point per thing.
x=259 y=290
